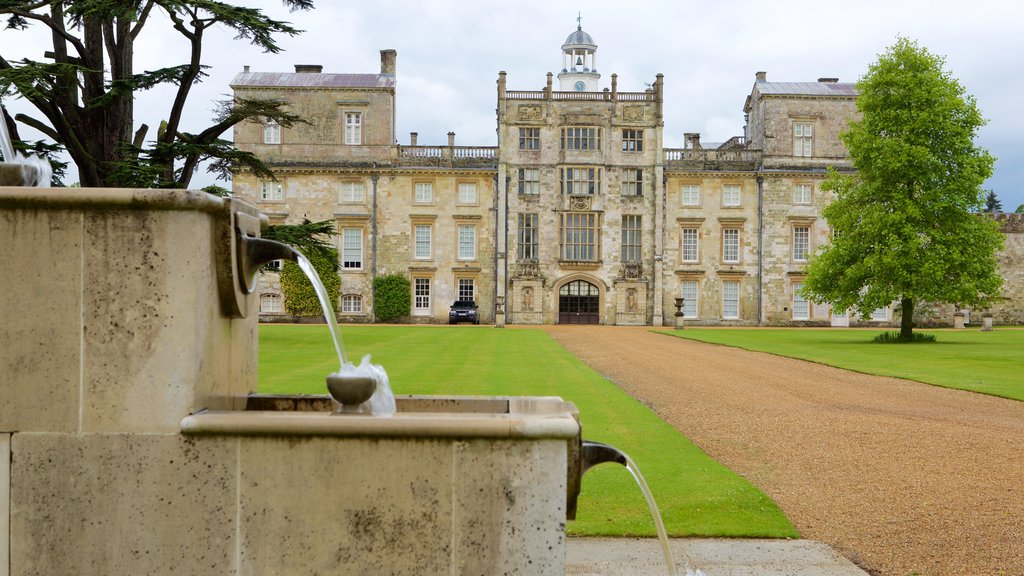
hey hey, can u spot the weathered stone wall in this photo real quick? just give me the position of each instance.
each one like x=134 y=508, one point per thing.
x=1011 y=264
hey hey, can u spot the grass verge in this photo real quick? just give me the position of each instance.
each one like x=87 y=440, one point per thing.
x=986 y=362
x=697 y=496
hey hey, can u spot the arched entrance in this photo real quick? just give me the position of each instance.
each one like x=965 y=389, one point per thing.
x=579 y=302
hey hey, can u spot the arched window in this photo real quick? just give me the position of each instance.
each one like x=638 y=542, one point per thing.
x=351 y=304
x=271 y=303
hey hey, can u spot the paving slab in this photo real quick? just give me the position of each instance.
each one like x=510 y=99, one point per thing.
x=712 y=556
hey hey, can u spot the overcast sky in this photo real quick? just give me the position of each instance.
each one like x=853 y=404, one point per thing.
x=450 y=53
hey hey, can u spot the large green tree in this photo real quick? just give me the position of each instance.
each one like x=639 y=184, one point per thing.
x=905 y=228
x=84 y=86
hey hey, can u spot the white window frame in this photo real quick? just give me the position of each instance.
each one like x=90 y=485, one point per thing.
x=580 y=180
x=271 y=191
x=580 y=237
x=730 y=300
x=467 y=193
x=731 y=195
x=467 y=242
x=731 y=245
x=271 y=132
x=421 y=290
x=689 y=244
x=802 y=194
x=529 y=181
x=580 y=138
x=352 y=248
x=801 y=306
x=880 y=315
x=423 y=192
x=801 y=243
x=423 y=241
x=803 y=139
x=689 y=291
x=352 y=192
x=275 y=301
x=690 y=194
x=351 y=304
x=461 y=285
x=353 y=128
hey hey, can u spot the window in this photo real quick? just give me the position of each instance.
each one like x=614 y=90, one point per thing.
x=271 y=132
x=880 y=315
x=730 y=195
x=351 y=248
x=467 y=242
x=467 y=193
x=688 y=291
x=632 y=225
x=691 y=195
x=351 y=304
x=353 y=128
x=423 y=249
x=467 y=289
x=271 y=191
x=580 y=181
x=351 y=192
x=731 y=245
x=803 y=139
x=526 y=237
x=579 y=236
x=581 y=138
x=801 y=242
x=801 y=308
x=689 y=249
x=271 y=304
x=633 y=140
x=529 y=138
x=529 y=181
x=730 y=300
x=632 y=182
x=802 y=194
x=424 y=193
x=421 y=296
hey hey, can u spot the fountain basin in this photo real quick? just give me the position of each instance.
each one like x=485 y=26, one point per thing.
x=20 y=174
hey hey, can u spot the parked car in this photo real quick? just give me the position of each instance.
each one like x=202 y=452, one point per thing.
x=464 y=311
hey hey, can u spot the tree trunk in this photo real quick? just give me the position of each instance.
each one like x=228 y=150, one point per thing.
x=907 y=321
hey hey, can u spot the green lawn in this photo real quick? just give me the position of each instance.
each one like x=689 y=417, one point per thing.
x=986 y=362
x=697 y=496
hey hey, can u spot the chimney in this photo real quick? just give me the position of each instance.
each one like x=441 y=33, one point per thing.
x=692 y=140
x=387 y=61
x=412 y=138
x=308 y=68
x=761 y=76
x=451 y=139
x=828 y=80
x=245 y=69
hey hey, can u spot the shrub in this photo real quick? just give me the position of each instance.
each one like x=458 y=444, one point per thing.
x=391 y=297
x=299 y=296
x=895 y=338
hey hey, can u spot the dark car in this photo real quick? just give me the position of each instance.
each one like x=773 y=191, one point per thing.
x=464 y=311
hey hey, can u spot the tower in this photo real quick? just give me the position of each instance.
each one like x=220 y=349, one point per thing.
x=579 y=68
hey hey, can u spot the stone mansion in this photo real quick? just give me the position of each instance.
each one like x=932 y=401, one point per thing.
x=579 y=214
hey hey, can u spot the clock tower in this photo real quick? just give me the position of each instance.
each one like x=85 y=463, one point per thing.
x=579 y=68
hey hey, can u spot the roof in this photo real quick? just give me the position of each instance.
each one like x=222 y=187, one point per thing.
x=312 y=80
x=808 y=88
x=579 y=38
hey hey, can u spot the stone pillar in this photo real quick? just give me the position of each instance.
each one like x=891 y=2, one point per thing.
x=958 y=320
x=499 y=312
x=679 y=314
x=986 y=322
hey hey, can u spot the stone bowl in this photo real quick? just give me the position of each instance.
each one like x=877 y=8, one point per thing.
x=351 y=391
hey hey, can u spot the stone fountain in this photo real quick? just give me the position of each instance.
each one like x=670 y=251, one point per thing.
x=132 y=440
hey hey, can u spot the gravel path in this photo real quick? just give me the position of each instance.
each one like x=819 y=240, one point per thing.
x=900 y=477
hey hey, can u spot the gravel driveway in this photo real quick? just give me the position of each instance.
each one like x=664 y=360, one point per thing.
x=900 y=477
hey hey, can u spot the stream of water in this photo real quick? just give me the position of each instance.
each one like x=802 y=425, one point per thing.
x=325 y=305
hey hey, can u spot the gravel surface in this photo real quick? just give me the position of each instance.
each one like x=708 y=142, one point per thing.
x=900 y=477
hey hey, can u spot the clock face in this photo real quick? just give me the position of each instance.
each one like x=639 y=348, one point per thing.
x=580 y=86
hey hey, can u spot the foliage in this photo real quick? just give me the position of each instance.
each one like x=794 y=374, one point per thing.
x=697 y=496
x=85 y=85
x=992 y=202
x=1020 y=209
x=300 y=297
x=985 y=362
x=392 y=297
x=896 y=338
x=310 y=238
x=903 y=224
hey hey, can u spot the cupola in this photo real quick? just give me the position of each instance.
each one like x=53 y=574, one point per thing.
x=579 y=67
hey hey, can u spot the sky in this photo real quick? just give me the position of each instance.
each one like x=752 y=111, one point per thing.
x=450 y=53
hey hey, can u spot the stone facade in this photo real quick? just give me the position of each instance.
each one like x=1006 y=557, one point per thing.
x=580 y=215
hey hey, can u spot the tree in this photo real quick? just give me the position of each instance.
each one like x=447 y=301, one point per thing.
x=85 y=87
x=1020 y=209
x=992 y=203
x=903 y=228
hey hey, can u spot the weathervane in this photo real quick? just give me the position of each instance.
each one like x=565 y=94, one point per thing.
x=579 y=20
